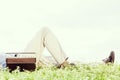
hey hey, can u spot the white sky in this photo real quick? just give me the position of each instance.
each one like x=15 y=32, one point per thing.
x=87 y=29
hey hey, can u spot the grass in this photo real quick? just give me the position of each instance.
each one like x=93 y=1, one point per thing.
x=79 y=72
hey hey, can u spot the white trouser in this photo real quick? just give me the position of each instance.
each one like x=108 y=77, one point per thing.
x=45 y=38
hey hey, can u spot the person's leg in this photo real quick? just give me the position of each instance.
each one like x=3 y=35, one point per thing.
x=45 y=38
x=36 y=44
x=53 y=46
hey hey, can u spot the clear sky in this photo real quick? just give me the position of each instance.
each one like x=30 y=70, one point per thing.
x=87 y=29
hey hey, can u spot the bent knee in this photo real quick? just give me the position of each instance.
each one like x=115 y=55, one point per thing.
x=45 y=29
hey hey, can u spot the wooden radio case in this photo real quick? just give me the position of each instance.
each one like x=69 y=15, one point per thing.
x=23 y=63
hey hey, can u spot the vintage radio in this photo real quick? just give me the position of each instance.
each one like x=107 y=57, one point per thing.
x=21 y=60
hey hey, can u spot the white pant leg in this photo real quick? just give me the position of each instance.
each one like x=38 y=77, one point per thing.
x=53 y=46
x=45 y=38
x=36 y=44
